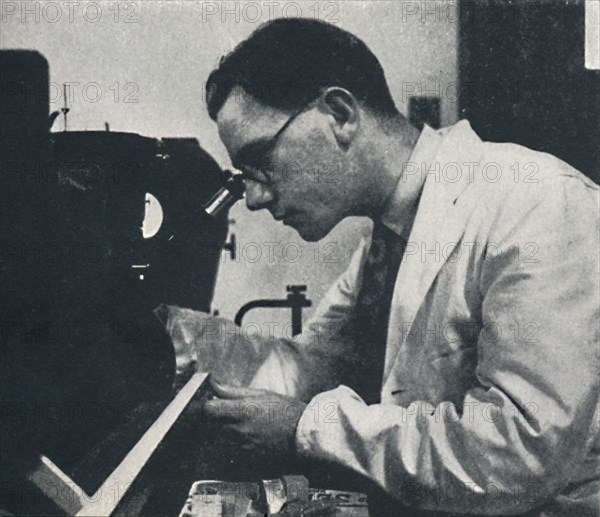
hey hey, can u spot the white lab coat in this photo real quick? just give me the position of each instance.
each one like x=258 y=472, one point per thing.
x=489 y=402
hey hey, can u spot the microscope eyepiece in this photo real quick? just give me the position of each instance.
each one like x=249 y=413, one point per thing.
x=226 y=196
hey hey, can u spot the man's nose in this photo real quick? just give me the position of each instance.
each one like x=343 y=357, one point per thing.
x=258 y=195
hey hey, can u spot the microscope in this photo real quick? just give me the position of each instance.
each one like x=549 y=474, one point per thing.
x=98 y=229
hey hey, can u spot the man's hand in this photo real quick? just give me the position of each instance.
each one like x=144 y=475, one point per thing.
x=262 y=421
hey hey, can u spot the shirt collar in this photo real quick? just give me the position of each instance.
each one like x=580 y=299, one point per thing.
x=401 y=208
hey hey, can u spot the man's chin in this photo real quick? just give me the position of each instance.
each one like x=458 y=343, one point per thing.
x=311 y=233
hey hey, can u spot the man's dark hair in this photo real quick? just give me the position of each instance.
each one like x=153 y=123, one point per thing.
x=286 y=63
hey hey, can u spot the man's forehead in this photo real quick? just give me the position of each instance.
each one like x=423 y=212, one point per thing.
x=243 y=118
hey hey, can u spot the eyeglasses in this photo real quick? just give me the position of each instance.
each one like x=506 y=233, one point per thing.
x=258 y=156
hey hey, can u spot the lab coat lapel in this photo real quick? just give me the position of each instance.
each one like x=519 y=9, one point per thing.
x=438 y=227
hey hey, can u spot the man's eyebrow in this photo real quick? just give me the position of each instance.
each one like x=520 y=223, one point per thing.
x=246 y=153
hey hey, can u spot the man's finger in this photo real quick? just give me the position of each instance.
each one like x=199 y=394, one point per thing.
x=232 y=432
x=233 y=392
x=220 y=409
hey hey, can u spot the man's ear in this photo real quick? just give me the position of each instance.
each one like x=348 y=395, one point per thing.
x=344 y=115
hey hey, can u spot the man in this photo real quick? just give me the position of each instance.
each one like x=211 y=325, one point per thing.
x=455 y=363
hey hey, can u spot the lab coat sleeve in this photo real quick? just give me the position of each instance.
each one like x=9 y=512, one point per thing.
x=315 y=360
x=530 y=419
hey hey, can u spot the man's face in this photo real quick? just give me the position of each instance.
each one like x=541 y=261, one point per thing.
x=299 y=177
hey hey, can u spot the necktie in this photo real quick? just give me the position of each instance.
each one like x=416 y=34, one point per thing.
x=372 y=310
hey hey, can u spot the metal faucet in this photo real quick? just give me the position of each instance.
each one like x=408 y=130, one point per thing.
x=296 y=301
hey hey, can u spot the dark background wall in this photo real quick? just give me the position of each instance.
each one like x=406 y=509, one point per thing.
x=523 y=78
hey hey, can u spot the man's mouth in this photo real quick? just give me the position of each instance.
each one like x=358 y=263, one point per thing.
x=286 y=217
